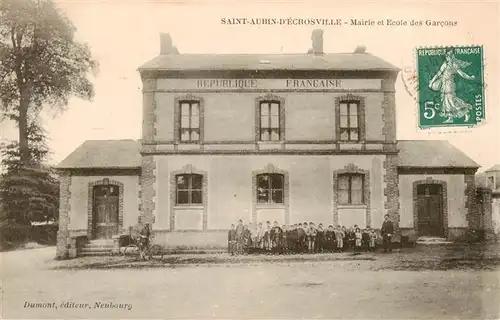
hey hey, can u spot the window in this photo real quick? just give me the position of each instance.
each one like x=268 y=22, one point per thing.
x=351 y=188
x=189 y=121
x=189 y=188
x=270 y=121
x=349 y=124
x=270 y=188
x=491 y=182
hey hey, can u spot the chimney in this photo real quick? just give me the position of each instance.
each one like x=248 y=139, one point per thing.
x=360 y=49
x=317 y=41
x=166 y=46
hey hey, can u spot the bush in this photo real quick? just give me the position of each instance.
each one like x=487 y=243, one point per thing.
x=14 y=235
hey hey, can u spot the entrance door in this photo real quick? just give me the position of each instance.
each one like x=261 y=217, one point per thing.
x=430 y=210
x=105 y=213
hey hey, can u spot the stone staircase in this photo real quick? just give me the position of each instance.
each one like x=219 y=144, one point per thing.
x=101 y=247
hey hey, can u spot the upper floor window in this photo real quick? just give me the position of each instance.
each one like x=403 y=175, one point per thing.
x=189 y=188
x=270 y=188
x=189 y=121
x=349 y=121
x=270 y=121
x=351 y=188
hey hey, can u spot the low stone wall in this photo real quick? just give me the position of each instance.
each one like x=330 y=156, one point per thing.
x=75 y=244
x=191 y=240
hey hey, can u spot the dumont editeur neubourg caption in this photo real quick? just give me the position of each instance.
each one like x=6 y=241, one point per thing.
x=74 y=305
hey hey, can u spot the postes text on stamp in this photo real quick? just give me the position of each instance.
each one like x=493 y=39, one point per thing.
x=450 y=86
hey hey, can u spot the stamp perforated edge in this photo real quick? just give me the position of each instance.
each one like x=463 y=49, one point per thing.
x=460 y=128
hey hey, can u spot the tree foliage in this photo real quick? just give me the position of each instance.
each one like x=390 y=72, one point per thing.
x=41 y=64
x=28 y=191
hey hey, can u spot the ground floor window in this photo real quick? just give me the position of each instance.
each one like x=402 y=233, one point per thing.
x=270 y=188
x=189 y=189
x=351 y=188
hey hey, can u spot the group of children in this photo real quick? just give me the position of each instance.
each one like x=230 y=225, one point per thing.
x=298 y=238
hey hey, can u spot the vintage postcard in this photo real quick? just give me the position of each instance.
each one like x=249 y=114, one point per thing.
x=230 y=160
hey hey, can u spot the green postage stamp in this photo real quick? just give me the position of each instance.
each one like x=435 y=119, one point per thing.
x=450 y=86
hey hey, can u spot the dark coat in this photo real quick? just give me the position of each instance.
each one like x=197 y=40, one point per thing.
x=365 y=236
x=301 y=234
x=145 y=231
x=239 y=231
x=231 y=235
x=329 y=235
x=387 y=227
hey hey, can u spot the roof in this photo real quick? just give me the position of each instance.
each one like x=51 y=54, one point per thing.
x=494 y=168
x=336 y=61
x=432 y=154
x=117 y=154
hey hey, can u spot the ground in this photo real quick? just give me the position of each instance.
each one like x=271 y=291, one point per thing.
x=431 y=282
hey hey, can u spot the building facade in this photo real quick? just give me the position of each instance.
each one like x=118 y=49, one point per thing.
x=286 y=138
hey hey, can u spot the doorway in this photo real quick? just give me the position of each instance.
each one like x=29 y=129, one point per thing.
x=105 y=211
x=430 y=210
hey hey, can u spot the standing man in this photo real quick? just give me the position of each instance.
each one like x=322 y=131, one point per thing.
x=386 y=231
x=239 y=237
x=145 y=235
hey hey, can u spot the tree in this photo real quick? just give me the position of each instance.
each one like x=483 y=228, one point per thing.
x=41 y=64
x=28 y=192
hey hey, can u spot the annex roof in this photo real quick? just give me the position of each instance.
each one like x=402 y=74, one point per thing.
x=494 y=168
x=123 y=154
x=432 y=154
x=116 y=154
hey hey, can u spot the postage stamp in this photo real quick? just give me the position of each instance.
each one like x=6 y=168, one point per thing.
x=450 y=86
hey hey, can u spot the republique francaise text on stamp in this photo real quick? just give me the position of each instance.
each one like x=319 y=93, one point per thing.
x=450 y=86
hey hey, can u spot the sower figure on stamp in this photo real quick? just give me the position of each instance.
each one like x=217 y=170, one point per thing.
x=444 y=81
x=386 y=231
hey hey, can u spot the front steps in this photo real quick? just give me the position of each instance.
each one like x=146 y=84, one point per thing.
x=101 y=247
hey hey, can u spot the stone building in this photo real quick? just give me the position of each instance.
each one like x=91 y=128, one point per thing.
x=265 y=137
x=490 y=180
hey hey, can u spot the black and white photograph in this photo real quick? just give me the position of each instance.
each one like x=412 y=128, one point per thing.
x=233 y=160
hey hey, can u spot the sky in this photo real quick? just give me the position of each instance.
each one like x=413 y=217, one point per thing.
x=125 y=34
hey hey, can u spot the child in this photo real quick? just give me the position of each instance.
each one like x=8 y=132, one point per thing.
x=312 y=237
x=275 y=236
x=345 y=239
x=267 y=237
x=351 y=238
x=260 y=237
x=247 y=239
x=373 y=240
x=278 y=238
x=284 y=231
x=339 y=238
x=357 y=239
x=231 y=240
x=301 y=235
x=320 y=238
x=290 y=239
x=365 y=239
x=329 y=239
x=253 y=236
